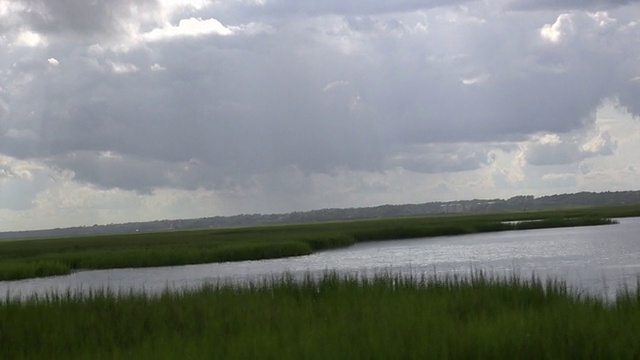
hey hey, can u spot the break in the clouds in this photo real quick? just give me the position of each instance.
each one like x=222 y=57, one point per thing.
x=280 y=105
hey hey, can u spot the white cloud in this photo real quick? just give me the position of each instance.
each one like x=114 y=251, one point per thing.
x=556 y=177
x=601 y=144
x=560 y=180
x=189 y=28
x=476 y=80
x=157 y=67
x=53 y=61
x=548 y=139
x=603 y=19
x=252 y=28
x=110 y=155
x=7 y=7
x=30 y=39
x=557 y=31
x=122 y=68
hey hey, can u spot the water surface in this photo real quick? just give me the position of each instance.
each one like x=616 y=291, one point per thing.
x=595 y=259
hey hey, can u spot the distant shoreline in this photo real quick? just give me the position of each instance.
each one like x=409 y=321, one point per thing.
x=516 y=203
x=20 y=259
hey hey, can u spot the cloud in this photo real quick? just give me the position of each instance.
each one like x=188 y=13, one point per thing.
x=122 y=68
x=334 y=84
x=356 y=7
x=557 y=31
x=189 y=27
x=20 y=182
x=445 y=158
x=560 y=179
x=476 y=79
x=554 y=177
x=82 y=18
x=111 y=170
x=243 y=97
x=603 y=144
x=567 y=4
x=241 y=108
x=30 y=39
x=553 y=149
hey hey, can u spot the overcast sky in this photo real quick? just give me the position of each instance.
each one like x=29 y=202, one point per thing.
x=131 y=110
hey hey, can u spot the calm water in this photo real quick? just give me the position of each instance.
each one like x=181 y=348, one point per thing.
x=597 y=260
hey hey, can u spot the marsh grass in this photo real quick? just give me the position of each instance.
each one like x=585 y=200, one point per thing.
x=10 y=270
x=44 y=257
x=336 y=317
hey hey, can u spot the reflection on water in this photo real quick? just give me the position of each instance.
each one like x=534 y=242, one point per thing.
x=597 y=260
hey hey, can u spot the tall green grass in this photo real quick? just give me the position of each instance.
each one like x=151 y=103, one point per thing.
x=44 y=257
x=10 y=270
x=388 y=317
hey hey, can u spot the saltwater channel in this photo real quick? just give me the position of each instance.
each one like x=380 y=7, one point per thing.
x=598 y=260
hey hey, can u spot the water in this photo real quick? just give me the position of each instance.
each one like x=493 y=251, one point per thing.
x=597 y=260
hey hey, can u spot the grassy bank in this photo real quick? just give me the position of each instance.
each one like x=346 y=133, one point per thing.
x=44 y=257
x=331 y=318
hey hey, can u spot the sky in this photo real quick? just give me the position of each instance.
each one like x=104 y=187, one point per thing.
x=134 y=110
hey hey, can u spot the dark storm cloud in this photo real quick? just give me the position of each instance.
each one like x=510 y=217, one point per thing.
x=84 y=18
x=110 y=170
x=443 y=158
x=503 y=88
x=628 y=96
x=198 y=108
x=315 y=95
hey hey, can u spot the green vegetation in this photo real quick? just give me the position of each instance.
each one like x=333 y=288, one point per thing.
x=388 y=317
x=13 y=269
x=55 y=256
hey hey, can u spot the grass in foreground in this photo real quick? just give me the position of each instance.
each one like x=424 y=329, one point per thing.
x=46 y=257
x=389 y=317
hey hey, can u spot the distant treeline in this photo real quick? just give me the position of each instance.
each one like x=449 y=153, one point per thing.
x=516 y=203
